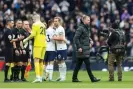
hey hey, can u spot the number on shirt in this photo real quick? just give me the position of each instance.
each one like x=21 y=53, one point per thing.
x=48 y=38
x=42 y=30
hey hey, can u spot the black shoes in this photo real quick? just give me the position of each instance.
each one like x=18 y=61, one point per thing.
x=24 y=80
x=95 y=80
x=7 y=80
x=15 y=80
x=111 y=80
x=119 y=80
x=76 y=80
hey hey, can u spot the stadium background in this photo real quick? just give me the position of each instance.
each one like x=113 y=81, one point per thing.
x=103 y=13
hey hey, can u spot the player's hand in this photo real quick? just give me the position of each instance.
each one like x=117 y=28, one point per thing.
x=29 y=60
x=21 y=38
x=25 y=45
x=25 y=41
x=20 y=51
x=24 y=52
x=80 y=50
x=65 y=40
x=91 y=43
x=17 y=52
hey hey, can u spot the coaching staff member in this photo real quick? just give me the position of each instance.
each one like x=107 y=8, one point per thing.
x=82 y=43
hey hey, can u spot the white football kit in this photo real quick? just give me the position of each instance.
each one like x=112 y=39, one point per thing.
x=61 y=45
x=61 y=53
x=50 y=32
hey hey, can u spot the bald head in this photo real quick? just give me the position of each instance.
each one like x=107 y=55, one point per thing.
x=36 y=17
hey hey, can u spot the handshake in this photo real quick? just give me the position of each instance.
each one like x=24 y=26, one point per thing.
x=25 y=42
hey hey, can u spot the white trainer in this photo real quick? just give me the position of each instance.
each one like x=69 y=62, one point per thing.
x=37 y=81
x=60 y=79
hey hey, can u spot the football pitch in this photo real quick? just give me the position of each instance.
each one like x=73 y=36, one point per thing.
x=126 y=83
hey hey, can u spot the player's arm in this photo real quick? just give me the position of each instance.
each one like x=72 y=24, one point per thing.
x=33 y=33
x=61 y=37
x=15 y=48
x=17 y=39
x=14 y=45
x=9 y=35
x=21 y=45
x=21 y=42
x=13 y=41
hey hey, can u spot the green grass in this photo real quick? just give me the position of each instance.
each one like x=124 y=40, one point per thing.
x=126 y=83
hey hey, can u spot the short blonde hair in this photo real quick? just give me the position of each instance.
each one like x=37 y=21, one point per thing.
x=59 y=19
x=84 y=17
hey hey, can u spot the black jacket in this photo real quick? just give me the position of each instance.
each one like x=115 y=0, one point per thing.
x=116 y=38
x=82 y=40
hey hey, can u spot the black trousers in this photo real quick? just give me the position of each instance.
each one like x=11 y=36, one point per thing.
x=78 y=66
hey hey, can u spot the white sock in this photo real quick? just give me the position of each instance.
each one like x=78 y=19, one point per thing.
x=50 y=71
x=45 y=72
x=38 y=77
x=47 y=68
x=62 y=70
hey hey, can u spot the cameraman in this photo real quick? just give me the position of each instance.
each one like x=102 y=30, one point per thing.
x=116 y=43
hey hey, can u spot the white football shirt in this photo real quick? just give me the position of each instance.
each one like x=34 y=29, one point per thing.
x=61 y=45
x=50 y=32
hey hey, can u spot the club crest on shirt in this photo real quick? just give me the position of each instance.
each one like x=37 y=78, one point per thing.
x=13 y=36
x=61 y=33
x=18 y=36
x=59 y=56
x=9 y=37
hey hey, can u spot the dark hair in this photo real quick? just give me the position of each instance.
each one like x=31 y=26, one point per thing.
x=8 y=20
x=18 y=20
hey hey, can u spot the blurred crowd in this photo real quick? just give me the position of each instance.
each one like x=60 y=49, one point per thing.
x=102 y=12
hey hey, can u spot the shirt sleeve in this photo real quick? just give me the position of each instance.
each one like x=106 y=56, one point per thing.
x=33 y=33
x=9 y=36
x=14 y=33
x=61 y=32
